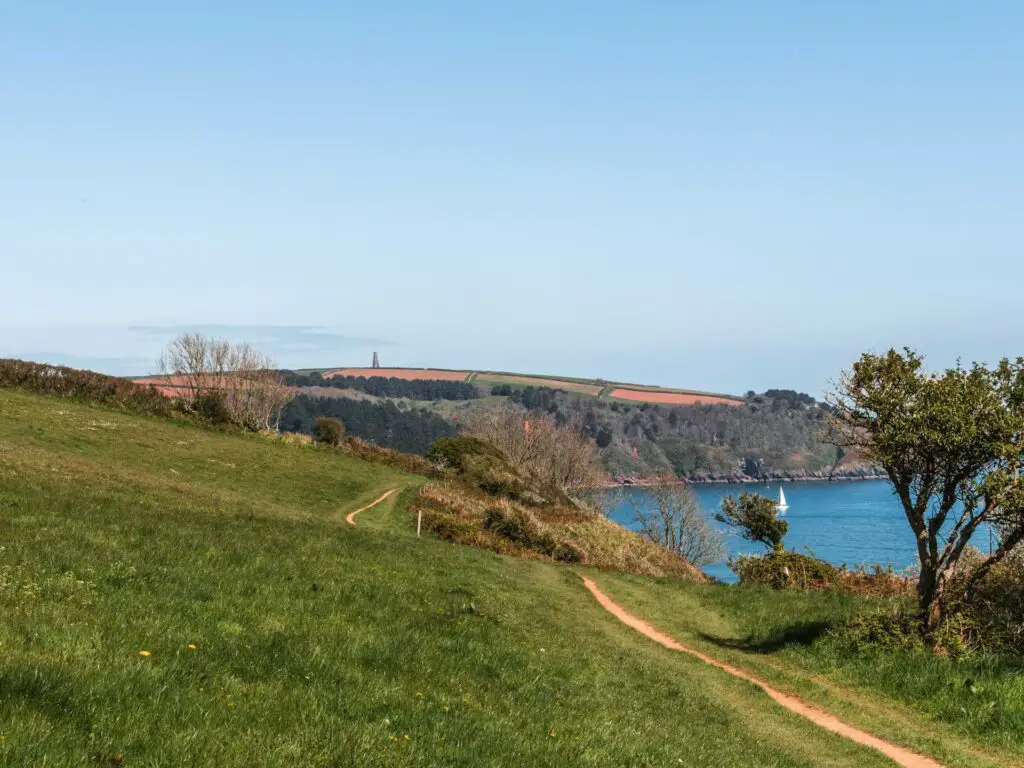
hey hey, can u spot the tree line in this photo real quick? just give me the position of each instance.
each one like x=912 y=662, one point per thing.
x=534 y=398
x=385 y=424
x=380 y=386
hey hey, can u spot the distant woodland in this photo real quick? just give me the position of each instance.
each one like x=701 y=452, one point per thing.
x=777 y=432
x=383 y=423
x=417 y=389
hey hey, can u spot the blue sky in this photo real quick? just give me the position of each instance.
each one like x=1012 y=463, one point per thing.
x=724 y=196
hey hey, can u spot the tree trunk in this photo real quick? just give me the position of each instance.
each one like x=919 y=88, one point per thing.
x=930 y=587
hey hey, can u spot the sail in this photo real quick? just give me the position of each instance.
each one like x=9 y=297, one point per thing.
x=782 y=499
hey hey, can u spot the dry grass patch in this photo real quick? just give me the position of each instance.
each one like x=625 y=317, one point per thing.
x=570 y=534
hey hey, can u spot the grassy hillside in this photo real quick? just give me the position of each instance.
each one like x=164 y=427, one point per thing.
x=177 y=596
x=593 y=388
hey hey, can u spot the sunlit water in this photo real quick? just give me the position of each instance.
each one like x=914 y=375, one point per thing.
x=852 y=523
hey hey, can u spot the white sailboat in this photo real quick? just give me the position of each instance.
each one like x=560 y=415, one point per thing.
x=782 y=505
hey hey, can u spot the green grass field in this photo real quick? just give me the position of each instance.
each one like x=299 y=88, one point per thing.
x=596 y=388
x=179 y=596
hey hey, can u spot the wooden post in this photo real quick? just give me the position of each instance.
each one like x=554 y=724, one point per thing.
x=419 y=522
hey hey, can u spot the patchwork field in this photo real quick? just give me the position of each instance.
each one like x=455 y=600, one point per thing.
x=588 y=387
x=537 y=381
x=428 y=374
x=667 y=397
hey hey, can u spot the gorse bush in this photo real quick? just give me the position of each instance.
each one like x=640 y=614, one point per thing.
x=212 y=408
x=482 y=465
x=85 y=386
x=989 y=616
x=329 y=431
x=881 y=631
x=518 y=527
x=460 y=453
x=785 y=570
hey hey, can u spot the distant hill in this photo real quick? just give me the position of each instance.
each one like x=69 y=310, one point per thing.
x=597 y=388
x=640 y=430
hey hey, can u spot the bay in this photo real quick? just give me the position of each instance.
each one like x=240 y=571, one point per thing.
x=848 y=523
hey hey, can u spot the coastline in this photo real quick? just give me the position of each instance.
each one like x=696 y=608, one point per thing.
x=839 y=477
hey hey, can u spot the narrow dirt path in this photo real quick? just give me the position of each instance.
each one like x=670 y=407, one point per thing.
x=351 y=517
x=899 y=755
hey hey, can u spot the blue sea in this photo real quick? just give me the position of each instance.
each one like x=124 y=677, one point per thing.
x=853 y=523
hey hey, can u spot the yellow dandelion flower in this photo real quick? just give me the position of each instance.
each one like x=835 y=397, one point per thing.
x=145 y=653
x=406 y=737
x=419 y=694
x=551 y=735
x=192 y=646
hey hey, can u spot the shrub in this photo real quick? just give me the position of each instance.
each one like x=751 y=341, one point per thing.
x=517 y=527
x=486 y=467
x=991 y=616
x=459 y=452
x=569 y=552
x=877 y=582
x=328 y=431
x=881 y=631
x=212 y=408
x=85 y=386
x=785 y=570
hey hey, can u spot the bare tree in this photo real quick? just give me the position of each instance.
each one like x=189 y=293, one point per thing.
x=185 y=365
x=245 y=380
x=562 y=457
x=669 y=514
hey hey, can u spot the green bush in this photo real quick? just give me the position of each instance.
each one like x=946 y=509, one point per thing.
x=519 y=529
x=459 y=452
x=212 y=408
x=569 y=552
x=328 y=431
x=785 y=570
x=991 y=617
x=484 y=466
x=882 y=631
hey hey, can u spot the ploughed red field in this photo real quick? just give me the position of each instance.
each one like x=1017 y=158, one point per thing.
x=671 y=398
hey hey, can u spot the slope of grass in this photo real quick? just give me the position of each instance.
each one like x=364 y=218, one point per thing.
x=967 y=713
x=486 y=379
x=173 y=596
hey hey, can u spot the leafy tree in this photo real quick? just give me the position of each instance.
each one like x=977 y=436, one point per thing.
x=952 y=447
x=754 y=517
